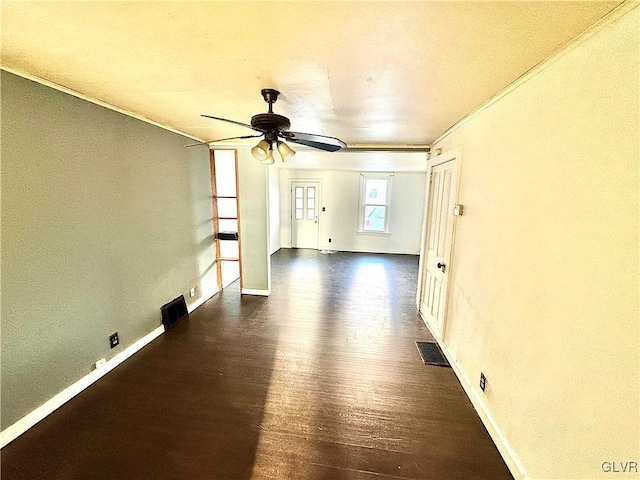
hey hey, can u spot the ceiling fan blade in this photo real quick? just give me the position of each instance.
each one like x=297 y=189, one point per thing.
x=234 y=122
x=196 y=144
x=222 y=140
x=328 y=144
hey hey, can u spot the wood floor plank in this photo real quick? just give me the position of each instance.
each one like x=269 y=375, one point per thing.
x=321 y=380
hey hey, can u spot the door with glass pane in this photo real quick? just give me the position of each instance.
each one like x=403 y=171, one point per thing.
x=305 y=197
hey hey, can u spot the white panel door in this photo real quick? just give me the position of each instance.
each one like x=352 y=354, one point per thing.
x=443 y=191
x=304 y=214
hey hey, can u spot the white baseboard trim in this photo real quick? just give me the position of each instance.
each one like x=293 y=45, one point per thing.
x=374 y=250
x=201 y=300
x=25 y=423
x=251 y=291
x=515 y=466
x=390 y=252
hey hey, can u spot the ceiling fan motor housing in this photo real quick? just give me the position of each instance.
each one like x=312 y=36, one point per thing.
x=270 y=122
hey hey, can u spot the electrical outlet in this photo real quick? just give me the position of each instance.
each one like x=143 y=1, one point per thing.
x=329 y=240
x=483 y=381
x=192 y=292
x=101 y=363
x=114 y=340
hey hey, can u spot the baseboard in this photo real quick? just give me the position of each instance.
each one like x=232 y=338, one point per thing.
x=389 y=252
x=507 y=453
x=25 y=423
x=373 y=250
x=201 y=300
x=251 y=291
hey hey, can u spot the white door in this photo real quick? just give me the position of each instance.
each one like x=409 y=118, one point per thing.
x=443 y=190
x=304 y=214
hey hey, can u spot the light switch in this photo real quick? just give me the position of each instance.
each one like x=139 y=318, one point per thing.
x=458 y=210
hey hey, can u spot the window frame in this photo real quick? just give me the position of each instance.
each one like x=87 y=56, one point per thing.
x=388 y=177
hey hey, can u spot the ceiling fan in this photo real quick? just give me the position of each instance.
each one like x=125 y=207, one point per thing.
x=275 y=127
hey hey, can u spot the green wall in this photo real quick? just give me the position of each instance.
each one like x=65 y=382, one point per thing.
x=104 y=219
x=254 y=222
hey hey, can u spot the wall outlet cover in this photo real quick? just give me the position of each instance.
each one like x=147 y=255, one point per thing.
x=192 y=292
x=483 y=381
x=114 y=340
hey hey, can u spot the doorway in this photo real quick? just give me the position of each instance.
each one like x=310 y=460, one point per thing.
x=305 y=198
x=226 y=217
x=437 y=245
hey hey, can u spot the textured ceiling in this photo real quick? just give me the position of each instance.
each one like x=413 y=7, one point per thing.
x=396 y=73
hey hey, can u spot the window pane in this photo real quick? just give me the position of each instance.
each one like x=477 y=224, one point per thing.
x=311 y=192
x=299 y=193
x=375 y=191
x=374 y=218
x=299 y=202
x=311 y=209
x=298 y=214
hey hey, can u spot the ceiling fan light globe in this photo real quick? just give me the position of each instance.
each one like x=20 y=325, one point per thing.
x=261 y=151
x=286 y=152
x=269 y=158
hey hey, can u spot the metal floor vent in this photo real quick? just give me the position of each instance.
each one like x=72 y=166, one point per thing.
x=173 y=311
x=431 y=354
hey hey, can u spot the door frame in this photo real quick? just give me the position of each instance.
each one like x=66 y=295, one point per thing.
x=318 y=183
x=454 y=154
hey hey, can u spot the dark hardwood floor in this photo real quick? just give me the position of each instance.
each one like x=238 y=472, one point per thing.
x=321 y=380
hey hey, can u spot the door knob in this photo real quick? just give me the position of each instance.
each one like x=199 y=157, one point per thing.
x=441 y=266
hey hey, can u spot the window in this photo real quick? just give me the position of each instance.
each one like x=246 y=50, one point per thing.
x=299 y=203
x=375 y=192
x=311 y=203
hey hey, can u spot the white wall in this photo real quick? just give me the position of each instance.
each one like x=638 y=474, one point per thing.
x=274 y=210
x=340 y=190
x=544 y=287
